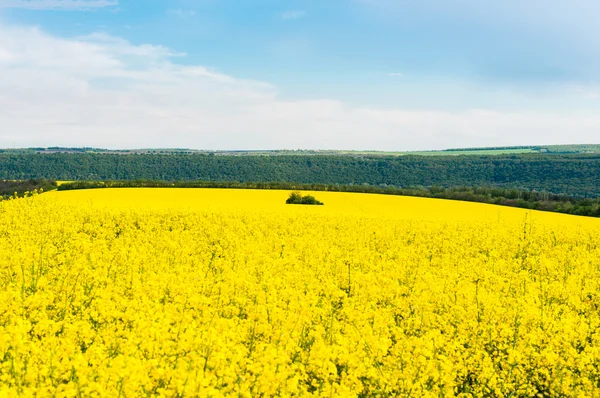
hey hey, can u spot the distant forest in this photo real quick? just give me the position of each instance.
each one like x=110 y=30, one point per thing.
x=573 y=175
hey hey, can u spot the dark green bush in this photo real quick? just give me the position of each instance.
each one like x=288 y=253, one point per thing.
x=10 y=188
x=296 y=198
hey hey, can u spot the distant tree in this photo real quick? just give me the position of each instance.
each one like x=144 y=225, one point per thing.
x=296 y=198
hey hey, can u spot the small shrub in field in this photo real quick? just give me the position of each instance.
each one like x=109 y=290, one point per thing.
x=296 y=198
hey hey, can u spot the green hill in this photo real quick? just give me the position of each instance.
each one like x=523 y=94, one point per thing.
x=570 y=174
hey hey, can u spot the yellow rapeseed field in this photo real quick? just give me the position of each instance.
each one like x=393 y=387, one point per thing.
x=200 y=292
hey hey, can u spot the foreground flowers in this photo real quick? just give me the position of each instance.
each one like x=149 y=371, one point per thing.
x=121 y=302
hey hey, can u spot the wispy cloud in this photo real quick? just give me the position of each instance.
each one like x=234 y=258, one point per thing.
x=396 y=74
x=181 y=13
x=104 y=91
x=58 y=4
x=293 y=14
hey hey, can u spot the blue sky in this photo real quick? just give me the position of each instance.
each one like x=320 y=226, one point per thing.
x=345 y=74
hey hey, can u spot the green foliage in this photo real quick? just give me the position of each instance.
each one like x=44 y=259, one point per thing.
x=296 y=198
x=573 y=175
x=10 y=188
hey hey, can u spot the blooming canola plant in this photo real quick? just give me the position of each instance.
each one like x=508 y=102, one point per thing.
x=200 y=292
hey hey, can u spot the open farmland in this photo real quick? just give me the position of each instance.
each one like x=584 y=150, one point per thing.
x=207 y=292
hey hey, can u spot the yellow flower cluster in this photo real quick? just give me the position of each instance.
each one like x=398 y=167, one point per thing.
x=227 y=292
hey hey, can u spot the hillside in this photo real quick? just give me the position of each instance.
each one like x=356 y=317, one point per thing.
x=574 y=175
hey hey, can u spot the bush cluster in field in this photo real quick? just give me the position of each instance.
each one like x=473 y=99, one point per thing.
x=296 y=198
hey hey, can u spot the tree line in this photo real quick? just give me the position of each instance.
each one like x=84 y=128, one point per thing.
x=10 y=188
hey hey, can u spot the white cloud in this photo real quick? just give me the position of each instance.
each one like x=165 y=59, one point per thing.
x=293 y=14
x=181 y=13
x=103 y=91
x=396 y=74
x=57 y=4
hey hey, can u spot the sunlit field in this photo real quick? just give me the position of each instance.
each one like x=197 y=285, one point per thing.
x=214 y=292
x=336 y=203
